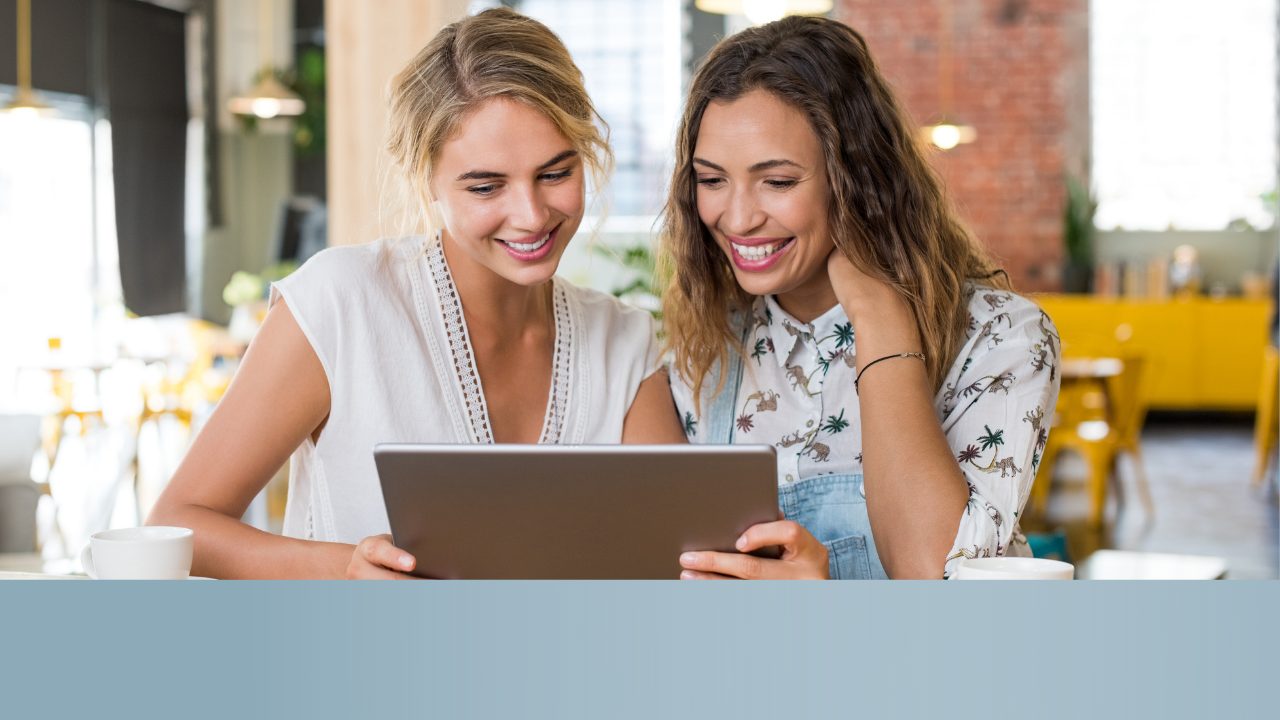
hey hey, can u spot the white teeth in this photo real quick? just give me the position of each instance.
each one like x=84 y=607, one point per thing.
x=530 y=247
x=756 y=252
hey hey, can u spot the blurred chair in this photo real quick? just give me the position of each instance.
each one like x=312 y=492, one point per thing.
x=1266 y=427
x=65 y=390
x=1099 y=441
x=20 y=439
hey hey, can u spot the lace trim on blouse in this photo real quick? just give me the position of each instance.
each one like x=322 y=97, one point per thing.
x=561 y=361
x=463 y=357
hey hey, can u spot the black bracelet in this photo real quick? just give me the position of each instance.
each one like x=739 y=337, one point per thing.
x=886 y=357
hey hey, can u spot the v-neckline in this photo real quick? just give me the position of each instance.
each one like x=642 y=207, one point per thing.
x=462 y=355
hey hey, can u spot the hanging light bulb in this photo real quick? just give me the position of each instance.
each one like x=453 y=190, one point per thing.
x=760 y=12
x=269 y=98
x=947 y=132
x=26 y=103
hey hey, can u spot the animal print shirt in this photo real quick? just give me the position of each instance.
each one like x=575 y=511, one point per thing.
x=995 y=406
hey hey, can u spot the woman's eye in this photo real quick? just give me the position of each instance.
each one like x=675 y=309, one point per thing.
x=710 y=182
x=780 y=184
x=556 y=175
x=482 y=189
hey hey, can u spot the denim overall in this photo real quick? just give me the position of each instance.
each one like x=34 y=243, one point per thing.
x=831 y=507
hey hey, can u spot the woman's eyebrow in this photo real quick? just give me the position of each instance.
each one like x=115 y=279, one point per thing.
x=764 y=165
x=559 y=158
x=769 y=164
x=490 y=175
x=481 y=175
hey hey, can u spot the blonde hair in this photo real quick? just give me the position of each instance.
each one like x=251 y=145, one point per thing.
x=498 y=53
x=889 y=211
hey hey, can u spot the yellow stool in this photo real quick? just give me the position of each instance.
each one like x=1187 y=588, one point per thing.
x=1266 y=427
x=1125 y=406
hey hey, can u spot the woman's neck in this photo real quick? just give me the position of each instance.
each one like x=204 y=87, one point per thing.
x=496 y=309
x=810 y=299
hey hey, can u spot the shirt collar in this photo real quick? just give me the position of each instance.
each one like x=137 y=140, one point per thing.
x=786 y=332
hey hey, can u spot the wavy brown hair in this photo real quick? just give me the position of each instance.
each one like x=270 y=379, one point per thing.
x=496 y=53
x=889 y=213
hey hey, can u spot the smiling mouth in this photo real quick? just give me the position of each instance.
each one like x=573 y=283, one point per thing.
x=528 y=247
x=759 y=252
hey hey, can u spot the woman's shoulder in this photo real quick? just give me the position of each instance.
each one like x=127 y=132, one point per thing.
x=346 y=262
x=1008 y=337
x=995 y=309
x=344 y=273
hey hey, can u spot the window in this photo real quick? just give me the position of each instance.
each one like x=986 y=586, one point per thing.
x=1184 y=113
x=57 y=270
x=630 y=53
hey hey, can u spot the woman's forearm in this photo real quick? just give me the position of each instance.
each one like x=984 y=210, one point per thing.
x=915 y=490
x=228 y=548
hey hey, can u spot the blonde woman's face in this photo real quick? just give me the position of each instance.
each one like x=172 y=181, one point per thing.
x=763 y=193
x=511 y=190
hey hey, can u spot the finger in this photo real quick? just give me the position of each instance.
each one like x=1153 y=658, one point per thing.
x=695 y=575
x=731 y=564
x=366 y=571
x=783 y=532
x=378 y=550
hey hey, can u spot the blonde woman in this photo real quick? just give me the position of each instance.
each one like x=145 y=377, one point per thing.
x=825 y=299
x=464 y=336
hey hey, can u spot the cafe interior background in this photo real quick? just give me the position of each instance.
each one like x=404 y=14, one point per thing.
x=162 y=162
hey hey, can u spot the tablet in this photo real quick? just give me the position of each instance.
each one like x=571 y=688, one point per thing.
x=572 y=511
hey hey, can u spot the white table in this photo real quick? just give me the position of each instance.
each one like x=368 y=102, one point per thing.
x=1128 y=565
x=39 y=576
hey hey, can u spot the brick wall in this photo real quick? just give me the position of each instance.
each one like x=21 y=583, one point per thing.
x=1021 y=79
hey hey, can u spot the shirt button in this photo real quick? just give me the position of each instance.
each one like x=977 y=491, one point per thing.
x=789 y=478
x=809 y=424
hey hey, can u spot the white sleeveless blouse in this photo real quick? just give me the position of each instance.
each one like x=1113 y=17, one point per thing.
x=386 y=322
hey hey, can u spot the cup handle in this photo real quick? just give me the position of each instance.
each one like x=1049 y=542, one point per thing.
x=86 y=559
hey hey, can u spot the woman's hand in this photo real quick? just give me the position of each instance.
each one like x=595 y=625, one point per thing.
x=882 y=319
x=860 y=293
x=803 y=557
x=376 y=558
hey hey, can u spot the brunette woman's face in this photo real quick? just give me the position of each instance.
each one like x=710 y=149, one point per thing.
x=511 y=190
x=763 y=192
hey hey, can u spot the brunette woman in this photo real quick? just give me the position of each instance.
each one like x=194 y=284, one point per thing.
x=826 y=299
x=460 y=336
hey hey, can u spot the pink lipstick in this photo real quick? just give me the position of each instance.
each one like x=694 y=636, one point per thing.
x=758 y=254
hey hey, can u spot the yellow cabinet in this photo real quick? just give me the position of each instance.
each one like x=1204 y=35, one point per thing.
x=1202 y=354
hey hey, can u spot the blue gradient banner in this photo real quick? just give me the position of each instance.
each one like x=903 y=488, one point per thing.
x=638 y=649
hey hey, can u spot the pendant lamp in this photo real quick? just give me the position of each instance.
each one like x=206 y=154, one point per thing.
x=269 y=98
x=947 y=132
x=27 y=102
x=760 y=12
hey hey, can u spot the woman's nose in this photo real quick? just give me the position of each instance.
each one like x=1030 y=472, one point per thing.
x=531 y=211
x=743 y=214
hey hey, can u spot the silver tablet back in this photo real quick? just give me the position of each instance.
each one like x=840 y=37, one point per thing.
x=585 y=511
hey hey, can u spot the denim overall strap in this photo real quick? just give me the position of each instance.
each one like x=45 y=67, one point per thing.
x=718 y=422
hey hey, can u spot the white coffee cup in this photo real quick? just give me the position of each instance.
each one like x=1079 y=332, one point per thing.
x=143 y=553
x=1014 y=568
